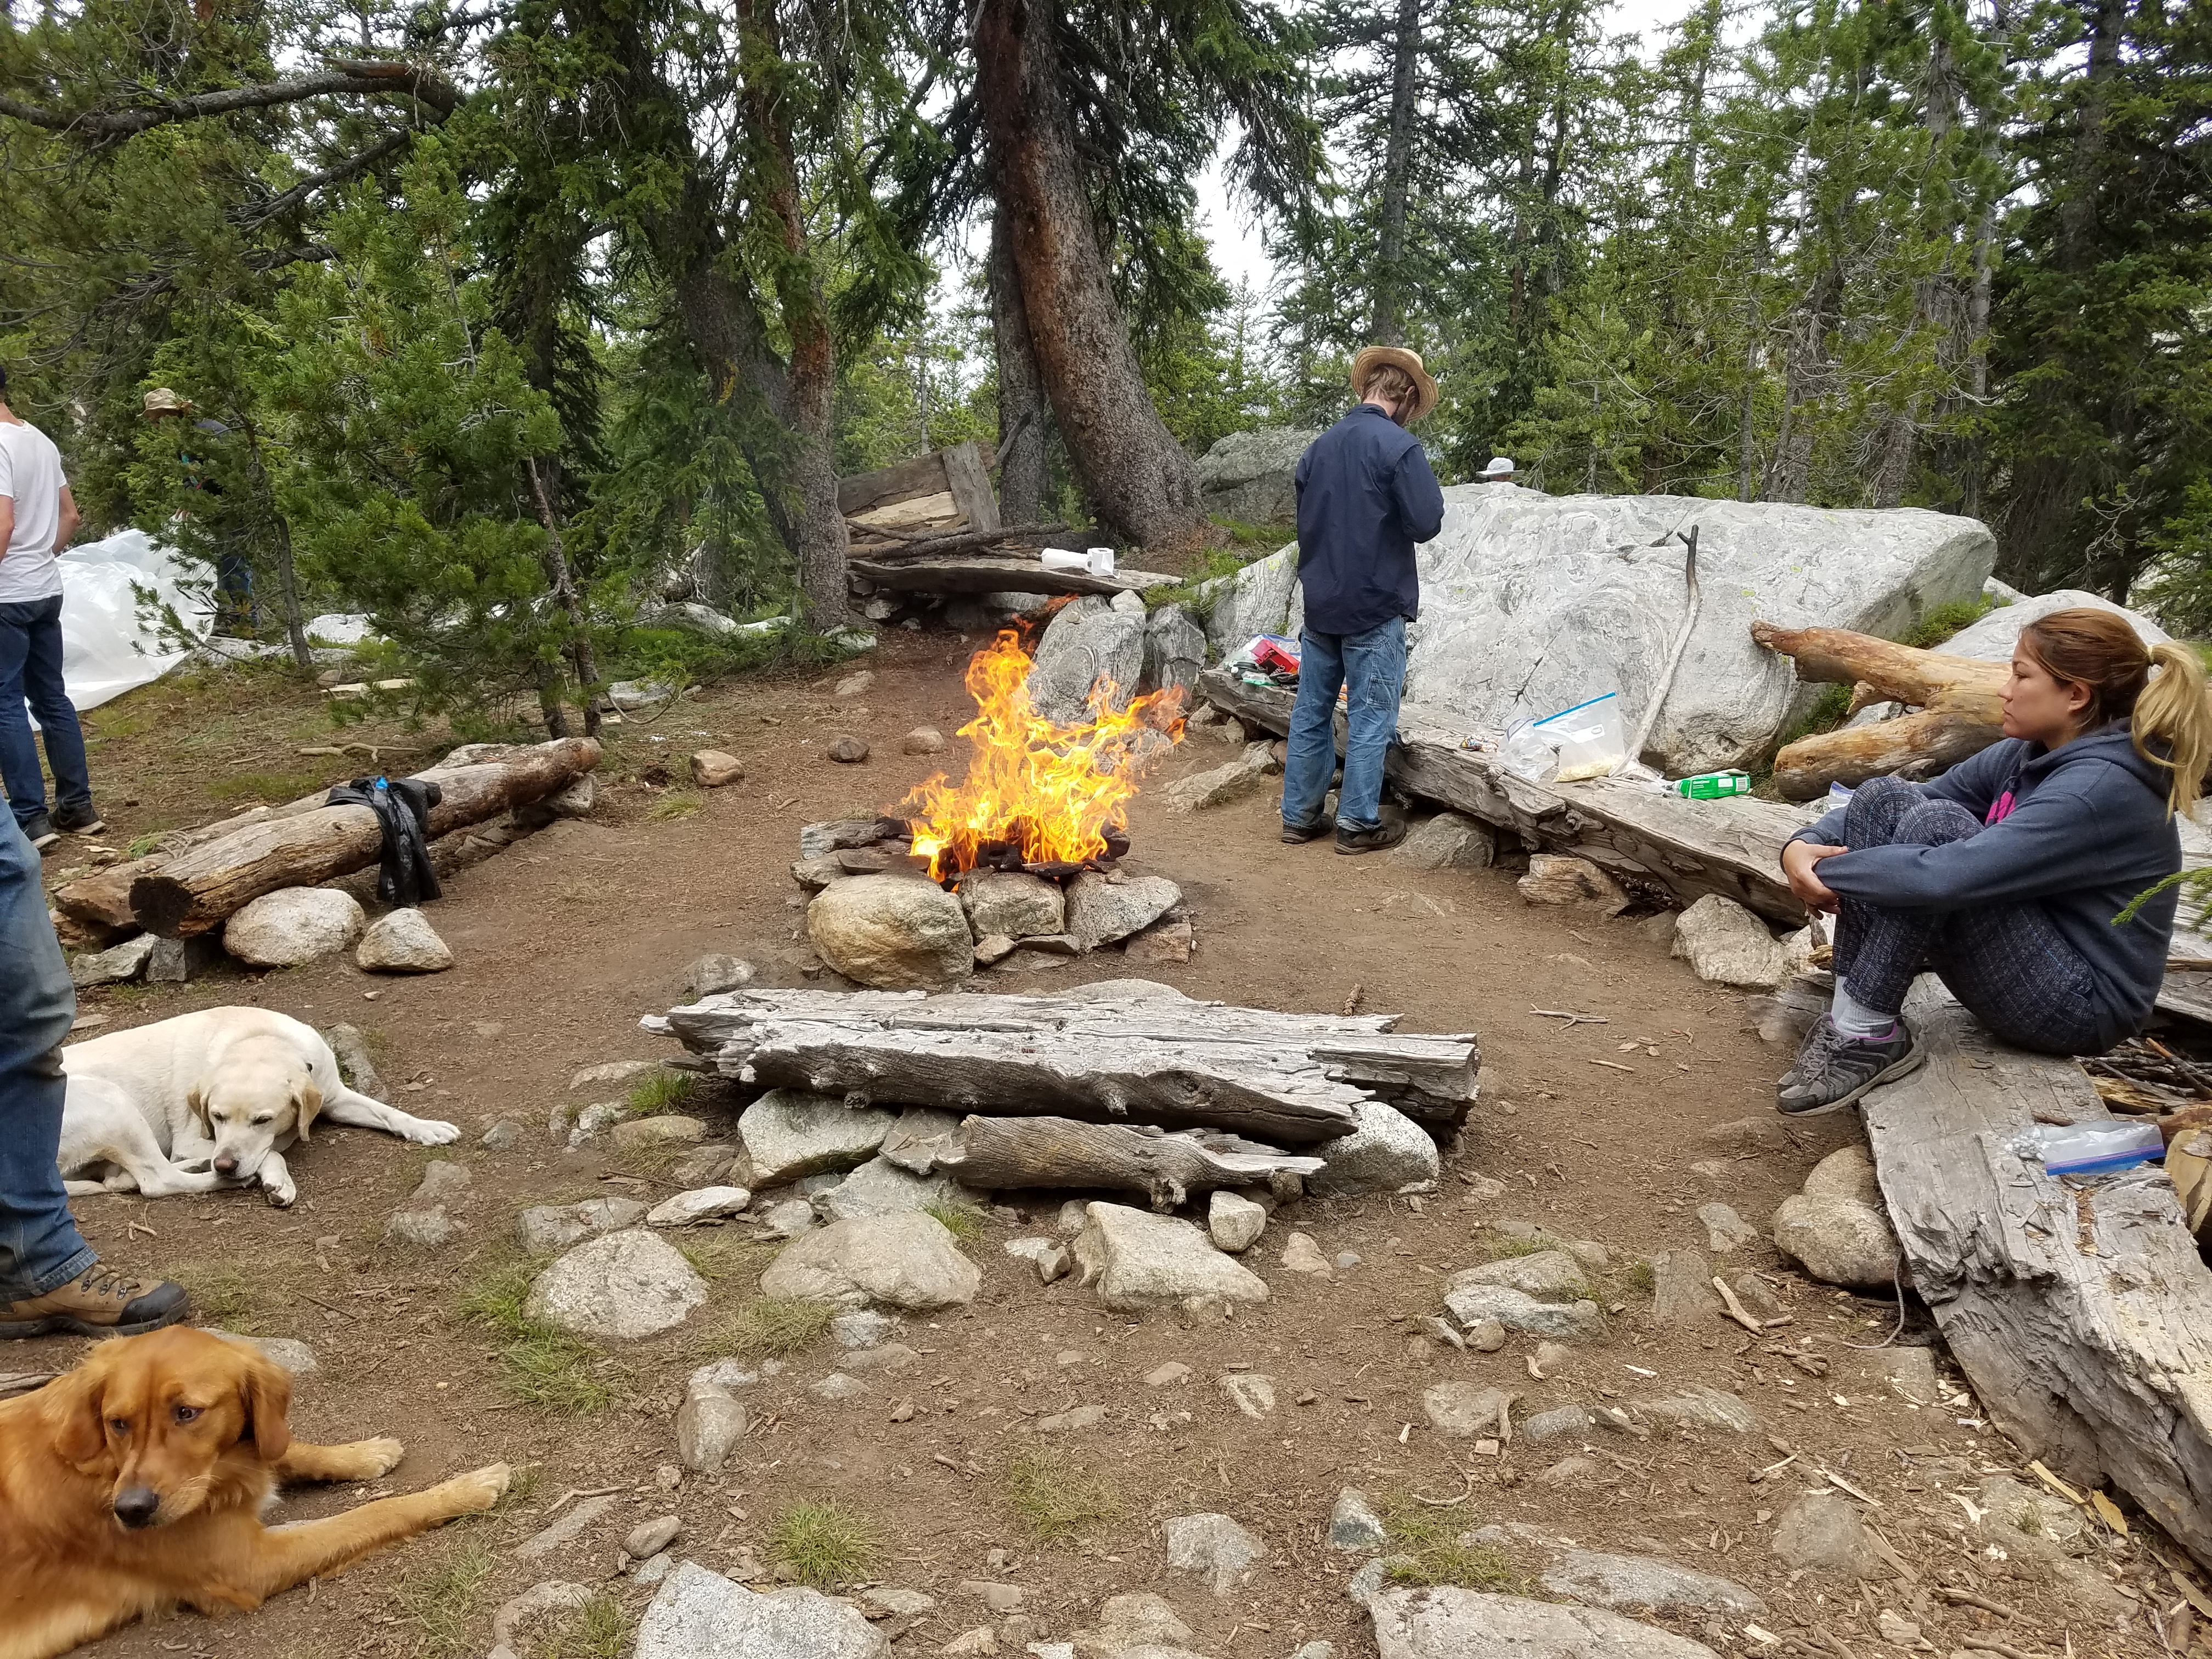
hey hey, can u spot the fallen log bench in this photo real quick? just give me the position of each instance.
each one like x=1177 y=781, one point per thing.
x=2080 y=1311
x=1281 y=1079
x=999 y=1152
x=194 y=888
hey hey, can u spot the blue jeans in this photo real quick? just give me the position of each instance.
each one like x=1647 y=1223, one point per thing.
x=30 y=666
x=40 y=1245
x=1373 y=666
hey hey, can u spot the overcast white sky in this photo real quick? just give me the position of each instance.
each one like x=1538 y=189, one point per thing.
x=1236 y=252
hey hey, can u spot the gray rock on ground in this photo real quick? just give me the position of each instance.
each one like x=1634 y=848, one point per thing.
x=714 y=973
x=1909 y=1371
x=1012 y=902
x=1681 y=1288
x=1101 y=911
x=292 y=925
x=117 y=965
x=545 y=1228
x=1724 y=1228
x=882 y=1187
x=920 y=1137
x=1703 y=1409
x=709 y=1424
x=1353 y=1524
x=716 y=768
x=294 y=1355
x=625 y=1285
x=424 y=1220
x=700 y=1204
x=612 y=1073
x=1991 y=639
x=1597 y=1579
x=1548 y=1275
x=893 y=933
x=1473 y=1302
x=909 y=1261
x=788 y=1135
x=1215 y=1547
x=1050 y=1258
x=402 y=942
x=1087 y=640
x=1136 y=1261
x=1174 y=650
x=1560 y=1422
x=1823 y=1533
x=1837 y=1228
x=1387 y=1152
x=1561 y=878
x=1217 y=785
x=1234 y=1224
x=1725 y=944
x=649 y=1538
x=1445 y=1622
x=1450 y=841
x=1464 y=1410
x=698 y=1614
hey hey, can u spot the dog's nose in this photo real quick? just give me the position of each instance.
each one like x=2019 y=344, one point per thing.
x=226 y=1166
x=136 y=1507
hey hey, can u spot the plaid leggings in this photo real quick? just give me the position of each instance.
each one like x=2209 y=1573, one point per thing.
x=2005 y=963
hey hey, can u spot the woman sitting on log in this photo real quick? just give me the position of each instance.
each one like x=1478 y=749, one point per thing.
x=2004 y=875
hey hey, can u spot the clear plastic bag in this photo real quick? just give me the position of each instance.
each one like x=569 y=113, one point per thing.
x=2088 y=1149
x=1526 y=755
x=1588 y=739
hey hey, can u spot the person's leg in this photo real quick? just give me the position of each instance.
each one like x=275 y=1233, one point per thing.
x=1375 y=675
x=1871 y=819
x=19 y=752
x=1310 y=760
x=2015 y=973
x=50 y=701
x=50 y=1278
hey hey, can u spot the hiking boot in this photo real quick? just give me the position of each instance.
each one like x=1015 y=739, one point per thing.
x=1834 y=1071
x=1296 y=835
x=1388 y=833
x=41 y=832
x=100 y=1303
x=85 y=820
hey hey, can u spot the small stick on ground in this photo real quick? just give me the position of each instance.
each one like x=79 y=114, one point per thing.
x=1572 y=1018
x=1983 y=1644
x=1967 y=1598
x=1737 y=1311
x=1835 y=1642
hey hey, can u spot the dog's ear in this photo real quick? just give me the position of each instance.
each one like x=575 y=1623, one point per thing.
x=306 y=1104
x=196 y=1103
x=267 y=1389
x=73 y=1406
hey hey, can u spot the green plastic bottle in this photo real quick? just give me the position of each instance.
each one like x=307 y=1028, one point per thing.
x=1711 y=785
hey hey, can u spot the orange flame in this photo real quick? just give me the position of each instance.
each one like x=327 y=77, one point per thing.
x=1053 y=791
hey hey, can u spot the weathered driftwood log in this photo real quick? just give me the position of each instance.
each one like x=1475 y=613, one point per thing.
x=1957 y=696
x=15 y=1382
x=1285 y=1079
x=978 y=573
x=1657 y=844
x=2081 y=1312
x=194 y=891
x=1058 y=1152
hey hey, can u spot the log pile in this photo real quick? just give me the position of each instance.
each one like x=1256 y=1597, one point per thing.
x=194 y=885
x=1278 y=1079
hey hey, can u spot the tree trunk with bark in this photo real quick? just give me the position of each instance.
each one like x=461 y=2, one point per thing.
x=1024 y=415
x=1140 y=478
x=1388 y=326
x=997 y=1152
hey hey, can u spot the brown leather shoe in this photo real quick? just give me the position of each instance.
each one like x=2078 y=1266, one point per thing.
x=99 y=1302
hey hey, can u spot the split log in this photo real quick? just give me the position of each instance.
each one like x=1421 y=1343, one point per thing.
x=997 y=1152
x=194 y=891
x=1284 y=1079
x=2080 y=1311
x=1958 y=697
x=913 y=545
x=1659 y=845
x=981 y=573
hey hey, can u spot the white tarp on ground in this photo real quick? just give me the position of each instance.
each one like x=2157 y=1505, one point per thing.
x=1532 y=604
x=111 y=642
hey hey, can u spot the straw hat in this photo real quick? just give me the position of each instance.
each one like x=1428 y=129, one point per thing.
x=163 y=401
x=1424 y=388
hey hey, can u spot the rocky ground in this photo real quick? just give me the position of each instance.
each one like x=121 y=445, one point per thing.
x=1006 y=1463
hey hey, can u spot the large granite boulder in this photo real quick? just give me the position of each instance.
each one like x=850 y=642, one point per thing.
x=1087 y=640
x=1257 y=599
x=909 y=1261
x=894 y=933
x=1249 y=475
x=1991 y=639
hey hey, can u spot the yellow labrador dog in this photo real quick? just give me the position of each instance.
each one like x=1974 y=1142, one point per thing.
x=224 y=1091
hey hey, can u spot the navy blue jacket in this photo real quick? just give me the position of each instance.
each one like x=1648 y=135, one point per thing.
x=2085 y=830
x=1365 y=496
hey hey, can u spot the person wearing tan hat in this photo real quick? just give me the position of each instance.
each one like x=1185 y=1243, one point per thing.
x=1365 y=497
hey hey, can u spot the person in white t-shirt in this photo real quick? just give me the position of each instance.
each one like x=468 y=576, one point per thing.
x=38 y=516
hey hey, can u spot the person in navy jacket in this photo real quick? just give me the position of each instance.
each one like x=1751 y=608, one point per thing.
x=1365 y=497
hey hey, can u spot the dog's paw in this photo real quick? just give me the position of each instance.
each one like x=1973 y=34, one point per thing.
x=378 y=1457
x=280 y=1198
x=428 y=1131
x=479 y=1489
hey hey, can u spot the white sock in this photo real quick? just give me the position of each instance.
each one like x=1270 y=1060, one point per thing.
x=1854 y=1018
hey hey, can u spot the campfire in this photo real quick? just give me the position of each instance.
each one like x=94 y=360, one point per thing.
x=1039 y=797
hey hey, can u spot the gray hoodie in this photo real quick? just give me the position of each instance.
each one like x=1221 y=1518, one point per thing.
x=2080 y=830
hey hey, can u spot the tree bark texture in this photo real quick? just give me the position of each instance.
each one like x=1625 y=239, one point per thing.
x=197 y=889
x=1958 y=696
x=997 y=1153
x=1138 y=478
x=1388 y=324
x=1024 y=415
x=1286 y=1079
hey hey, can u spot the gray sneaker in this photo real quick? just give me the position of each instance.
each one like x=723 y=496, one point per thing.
x=1834 y=1071
x=41 y=832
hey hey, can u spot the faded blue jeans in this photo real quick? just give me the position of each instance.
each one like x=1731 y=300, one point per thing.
x=30 y=666
x=40 y=1245
x=1372 y=668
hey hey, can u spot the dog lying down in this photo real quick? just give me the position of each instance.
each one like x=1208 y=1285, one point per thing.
x=137 y=1484
x=206 y=1100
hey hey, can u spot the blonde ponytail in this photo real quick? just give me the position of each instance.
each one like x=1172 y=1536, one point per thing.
x=2173 y=709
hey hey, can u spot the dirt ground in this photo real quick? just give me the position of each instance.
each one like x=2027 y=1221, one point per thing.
x=1614 y=1132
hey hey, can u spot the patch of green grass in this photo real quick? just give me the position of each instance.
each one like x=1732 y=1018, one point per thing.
x=822 y=1544
x=141 y=845
x=221 y=1294
x=600 y=1630
x=545 y=1368
x=719 y=1254
x=1056 y=1499
x=676 y=804
x=1945 y=620
x=273 y=787
x=1426 y=1547
x=776 y=1328
x=1640 y=1276
x=1212 y=563
x=1503 y=1247
x=964 y=1221
x=441 y=1597
x=661 y=1092
x=1829 y=712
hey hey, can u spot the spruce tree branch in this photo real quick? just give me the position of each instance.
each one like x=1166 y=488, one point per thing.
x=420 y=82
x=352 y=166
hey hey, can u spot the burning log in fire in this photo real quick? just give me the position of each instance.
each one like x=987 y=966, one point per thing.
x=1039 y=796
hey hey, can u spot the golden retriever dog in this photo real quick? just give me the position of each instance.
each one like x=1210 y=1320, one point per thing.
x=224 y=1090
x=136 y=1484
